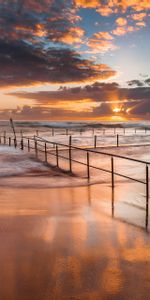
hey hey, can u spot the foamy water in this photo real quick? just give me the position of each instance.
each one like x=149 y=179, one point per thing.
x=20 y=169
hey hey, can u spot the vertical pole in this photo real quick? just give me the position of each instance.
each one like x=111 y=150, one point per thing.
x=21 y=144
x=88 y=166
x=15 y=142
x=57 y=156
x=95 y=141
x=28 y=145
x=4 y=137
x=112 y=173
x=117 y=140
x=9 y=141
x=81 y=131
x=37 y=132
x=70 y=158
x=45 y=152
x=36 y=150
x=147 y=196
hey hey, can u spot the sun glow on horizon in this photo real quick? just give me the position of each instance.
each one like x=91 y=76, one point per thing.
x=117 y=109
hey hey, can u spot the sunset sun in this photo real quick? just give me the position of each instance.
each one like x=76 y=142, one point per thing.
x=117 y=109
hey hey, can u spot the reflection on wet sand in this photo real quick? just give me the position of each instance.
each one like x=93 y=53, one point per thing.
x=64 y=244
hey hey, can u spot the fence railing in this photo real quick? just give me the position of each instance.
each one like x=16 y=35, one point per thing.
x=94 y=131
x=55 y=149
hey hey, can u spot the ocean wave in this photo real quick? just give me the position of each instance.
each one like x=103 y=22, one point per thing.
x=77 y=125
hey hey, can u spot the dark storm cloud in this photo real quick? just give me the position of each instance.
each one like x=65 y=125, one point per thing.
x=135 y=82
x=147 y=81
x=100 y=92
x=23 y=64
x=32 y=34
x=26 y=19
x=34 y=113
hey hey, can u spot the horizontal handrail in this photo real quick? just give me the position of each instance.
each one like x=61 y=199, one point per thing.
x=94 y=151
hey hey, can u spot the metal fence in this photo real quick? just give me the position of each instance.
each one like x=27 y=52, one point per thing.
x=61 y=151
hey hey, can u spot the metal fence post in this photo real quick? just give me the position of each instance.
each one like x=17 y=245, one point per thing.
x=112 y=173
x=95 y=141
x=21 y=144
x=88 y=166
x=4 y=137
x=117 y=140
x=36 y=150
x=70 y=158
x=57 y=156
x=45 y=152
x=28 y=145
x=9 y=141
x=15 y=142
x=147 y=195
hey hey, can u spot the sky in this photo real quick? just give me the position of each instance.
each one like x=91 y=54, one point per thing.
x=75 y=60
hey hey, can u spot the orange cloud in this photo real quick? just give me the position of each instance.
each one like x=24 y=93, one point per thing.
x=141 y=24
x=40 y=30
x=101 y=42
x=105 y=10
x=121 y=21
x=73 y=36
x=121 y=30
x=114 y=6
x=103 y=35
x=101 y=45
x=138 y=17
x=87 y=3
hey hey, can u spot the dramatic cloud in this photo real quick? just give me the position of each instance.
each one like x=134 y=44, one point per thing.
x=122 y=30
x=110 y=7
x=36 y=20
x=23 y=64
x=57 y=42
x=91 y=101
x=74 y=35
x=147 y=81
x=138 y=17
x=135 y=82
x=121 y=21
x=97 y=92
x=101 y=42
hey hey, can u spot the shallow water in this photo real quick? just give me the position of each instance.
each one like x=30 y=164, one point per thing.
x=64 y=244
x=63 y=238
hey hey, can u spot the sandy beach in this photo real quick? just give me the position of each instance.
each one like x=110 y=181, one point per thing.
x=60 y=240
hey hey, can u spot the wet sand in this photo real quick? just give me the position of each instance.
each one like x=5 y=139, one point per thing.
x=64 y=244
